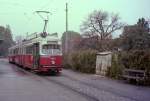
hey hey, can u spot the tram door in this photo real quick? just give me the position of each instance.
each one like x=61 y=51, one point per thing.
x=36 y=55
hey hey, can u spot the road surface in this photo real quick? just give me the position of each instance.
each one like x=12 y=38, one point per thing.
x=16 y=84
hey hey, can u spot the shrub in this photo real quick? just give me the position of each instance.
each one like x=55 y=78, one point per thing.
x=83 y=61
x=116 y=67
x=137 y=59
x=66 y=63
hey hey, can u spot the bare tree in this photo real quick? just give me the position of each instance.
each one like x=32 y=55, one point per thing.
x=101 y=24
x=6 y=40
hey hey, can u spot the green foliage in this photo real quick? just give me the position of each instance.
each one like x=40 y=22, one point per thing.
x=66 y=64
x=116 y=67
x=135 y=42
x=137 y=59
x=83 y=61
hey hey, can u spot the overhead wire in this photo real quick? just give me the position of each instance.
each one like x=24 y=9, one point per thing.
x=46 y=5
x=26 y=15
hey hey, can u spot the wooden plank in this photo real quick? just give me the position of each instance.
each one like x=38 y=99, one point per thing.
x=133 y=77
x=133 y=70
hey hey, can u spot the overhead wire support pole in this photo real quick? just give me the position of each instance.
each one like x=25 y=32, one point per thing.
x=66 y=17
x=66 y=42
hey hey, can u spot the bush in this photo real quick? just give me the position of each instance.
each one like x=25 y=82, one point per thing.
x=66 y=63
x=116 y=67
x=137 y=59
x=83 y=61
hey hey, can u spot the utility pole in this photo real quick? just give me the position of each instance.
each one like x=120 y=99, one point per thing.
x=66 y=41
x=66 y=17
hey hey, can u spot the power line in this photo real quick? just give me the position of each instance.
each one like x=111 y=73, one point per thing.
x=9 y=3
x=46 y=5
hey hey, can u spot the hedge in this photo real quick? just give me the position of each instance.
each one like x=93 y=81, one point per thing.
x=82 y=61
x=115 y=71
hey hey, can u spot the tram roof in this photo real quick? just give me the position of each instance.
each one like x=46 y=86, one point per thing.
x=36 y=40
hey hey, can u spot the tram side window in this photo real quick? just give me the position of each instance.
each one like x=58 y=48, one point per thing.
x=24 y=50
x=20 y=50
x=16 y=51
x=29 y=49
x=11 y=52
x=56 y=46
x=51 y=46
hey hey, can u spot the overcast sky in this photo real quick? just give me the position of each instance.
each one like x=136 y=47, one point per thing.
x=19 y=14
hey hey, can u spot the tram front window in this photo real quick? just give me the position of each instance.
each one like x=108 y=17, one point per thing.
x=51 y=49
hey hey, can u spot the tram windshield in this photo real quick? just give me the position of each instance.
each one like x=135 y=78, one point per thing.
x=51 y=49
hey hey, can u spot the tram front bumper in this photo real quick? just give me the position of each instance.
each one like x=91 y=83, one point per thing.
x=50 y=68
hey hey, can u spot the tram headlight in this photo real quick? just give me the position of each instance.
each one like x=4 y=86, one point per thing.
x=53 y=62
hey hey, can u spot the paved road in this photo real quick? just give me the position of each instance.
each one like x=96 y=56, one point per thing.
x=17 y=84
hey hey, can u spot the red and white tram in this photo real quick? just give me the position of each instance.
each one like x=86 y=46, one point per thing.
x=38 y=54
